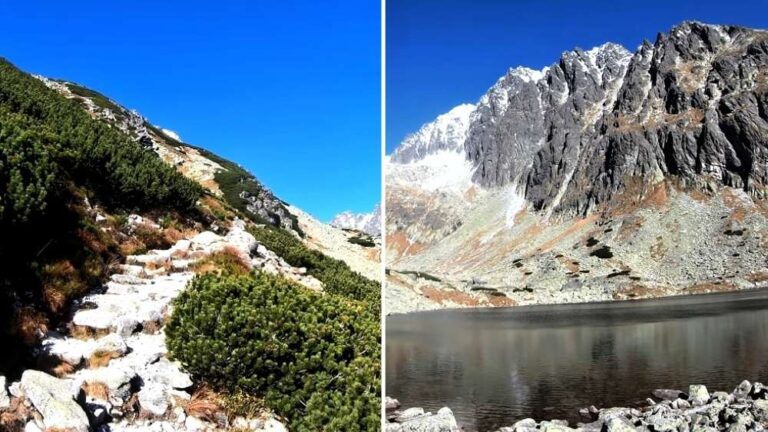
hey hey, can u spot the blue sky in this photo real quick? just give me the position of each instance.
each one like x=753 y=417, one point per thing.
x=288 y=89
x=441 y=53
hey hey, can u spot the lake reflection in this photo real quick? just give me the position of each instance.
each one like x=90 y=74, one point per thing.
x=496 y=366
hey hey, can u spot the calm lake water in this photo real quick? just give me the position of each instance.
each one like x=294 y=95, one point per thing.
x=495 y=366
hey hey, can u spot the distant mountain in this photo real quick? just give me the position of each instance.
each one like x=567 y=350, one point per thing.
x=597 y=133
x=369 y=223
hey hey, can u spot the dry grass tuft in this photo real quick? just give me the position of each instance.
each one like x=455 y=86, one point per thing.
x=227 y=261
x=29 y=325
x=205 y=403
x=102 y=358
x=83 y=332
x=709 y=287
x=15 y=417
x=96 y=390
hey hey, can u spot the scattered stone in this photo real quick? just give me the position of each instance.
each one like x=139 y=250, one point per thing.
x=668 y=394
x=5 y=401
x=390 y=403
x=698 y=394
x=54 y=399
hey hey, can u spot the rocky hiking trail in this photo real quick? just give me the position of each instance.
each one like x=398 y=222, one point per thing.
x=112 y=366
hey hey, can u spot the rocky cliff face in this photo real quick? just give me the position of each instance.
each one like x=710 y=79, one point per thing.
x=691 y=105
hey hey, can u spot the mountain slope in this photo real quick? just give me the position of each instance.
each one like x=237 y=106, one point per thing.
x=223 y=178
x=104 y=218
x=657 y=156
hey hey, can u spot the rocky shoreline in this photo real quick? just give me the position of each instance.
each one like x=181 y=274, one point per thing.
x=743 y=409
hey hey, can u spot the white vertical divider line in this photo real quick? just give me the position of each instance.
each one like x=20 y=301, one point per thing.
x=383 y=254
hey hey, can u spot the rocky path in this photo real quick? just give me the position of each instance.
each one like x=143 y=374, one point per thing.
x=112 y=364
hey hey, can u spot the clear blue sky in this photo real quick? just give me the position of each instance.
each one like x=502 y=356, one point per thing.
x=441 y=53
x=289 y=89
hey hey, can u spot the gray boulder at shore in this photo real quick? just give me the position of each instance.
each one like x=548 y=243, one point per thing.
x=416 y=420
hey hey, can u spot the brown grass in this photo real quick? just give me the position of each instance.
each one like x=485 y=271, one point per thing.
x=151 y=327
x=14 y=418
x=83 y=332
x=637 y=291
x=228 y=260
x=102 y=358
x=572 y=229
x=441 y=296
x=61 y=282
x=204 y=404
x=501 y=301
x=398 y=245
x=96 y=390
x=709 y=287
x=757 y=277
x=29 y=324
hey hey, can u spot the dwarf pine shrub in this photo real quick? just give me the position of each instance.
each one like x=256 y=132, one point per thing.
x=336 y=276
x=313 y=357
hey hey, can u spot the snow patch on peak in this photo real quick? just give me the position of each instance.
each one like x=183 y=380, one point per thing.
x=369 y=223
x=447 y=132
x=528 y=74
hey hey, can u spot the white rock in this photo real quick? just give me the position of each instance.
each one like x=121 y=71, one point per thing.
x=167 y=373
x=15 y=389
x=390 y=403
x=153 y=398
x=32 y=427
x=241 y=239
x=205 y=239
x=53 y=398
x=5 y=401
x=410 y=413
x=272 y=425
x=194 y=424
x=182 y=245
x=698 y=394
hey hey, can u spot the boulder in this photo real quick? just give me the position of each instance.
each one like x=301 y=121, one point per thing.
x=55 y=400
x=5 y=400
x=443 y=421
x=668 y=394
x=409 y=414
x=742 y=390
x=167 y=373
x=698 y=394
x=618 y=424
x=272 y=425
x=153 y=398
x=390 y=403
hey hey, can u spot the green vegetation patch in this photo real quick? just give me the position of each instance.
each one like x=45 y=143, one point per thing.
x=422 y=275
x=336 y=276
x=314 y=358
x=362 y=240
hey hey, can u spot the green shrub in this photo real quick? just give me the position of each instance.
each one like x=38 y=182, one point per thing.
x=27 y=171
x=362 y=241
x=313 y=357
x=335 y=275
x=93 y=154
